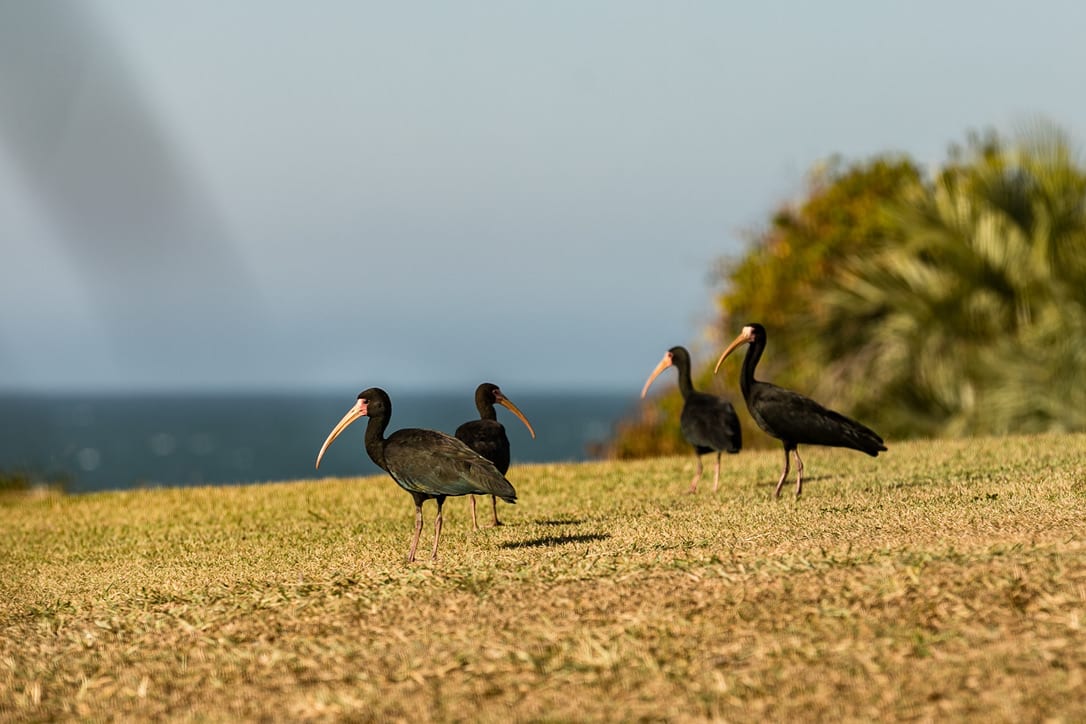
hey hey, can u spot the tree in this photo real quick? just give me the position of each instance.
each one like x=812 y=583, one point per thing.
x=976 y=322
x=782 y=279
x=944 y=306
x=777 y=282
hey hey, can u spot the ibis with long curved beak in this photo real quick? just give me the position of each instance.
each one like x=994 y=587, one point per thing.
x=426 y=463
x=789 y=416
x=707 y=422
x=487 y=437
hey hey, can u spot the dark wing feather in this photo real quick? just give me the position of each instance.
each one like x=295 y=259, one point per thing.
x=710 y=422
x=488 y=438
x=796 y=419
x=433 y=463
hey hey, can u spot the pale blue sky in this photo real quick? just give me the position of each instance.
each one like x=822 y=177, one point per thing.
x=345 y=194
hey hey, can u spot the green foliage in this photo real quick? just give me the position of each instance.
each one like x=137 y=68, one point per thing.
x=782 y=280
x=779 y=278
x=14 y=482
x=779 y=282
x=21 y=481
x=944 y=306
x=976 y=321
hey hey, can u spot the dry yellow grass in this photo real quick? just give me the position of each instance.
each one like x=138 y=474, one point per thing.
x=945 y=580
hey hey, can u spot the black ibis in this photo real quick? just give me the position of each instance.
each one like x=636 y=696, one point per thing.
x=792 y=418
x=487 y=437
x=709 y=423
x=426 y=463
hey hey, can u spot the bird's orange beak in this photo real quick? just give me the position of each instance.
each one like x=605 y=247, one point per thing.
x=357 y=411
x=508 y=404
x=664 y=364
x=745 y=337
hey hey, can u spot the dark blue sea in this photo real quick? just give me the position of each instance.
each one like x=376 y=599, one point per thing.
x=89 y=442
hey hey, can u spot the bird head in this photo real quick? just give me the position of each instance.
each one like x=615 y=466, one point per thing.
x=489 y=393
x=751 y=333
x=669 y=359
x=486 y=394
x=373 y=402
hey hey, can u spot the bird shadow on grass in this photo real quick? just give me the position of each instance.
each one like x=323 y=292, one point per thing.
x=556 y=540
x=573 y=521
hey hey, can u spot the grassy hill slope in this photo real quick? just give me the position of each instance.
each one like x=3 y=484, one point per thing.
x=943 y=579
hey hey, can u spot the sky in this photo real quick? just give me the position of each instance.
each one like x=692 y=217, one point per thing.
x=336 y=195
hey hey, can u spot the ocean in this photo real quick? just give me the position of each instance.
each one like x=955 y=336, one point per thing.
x=92 y=442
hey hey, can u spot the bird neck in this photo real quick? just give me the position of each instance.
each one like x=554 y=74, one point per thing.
x=686 y=384
x=375 y=440
x=746 y=377
x=486 y=411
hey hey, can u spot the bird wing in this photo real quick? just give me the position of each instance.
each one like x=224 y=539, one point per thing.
x=710 y=421
x=794 y=418
x=488 y=438
x=433 y=463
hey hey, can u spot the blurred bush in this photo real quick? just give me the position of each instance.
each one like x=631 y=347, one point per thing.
x=948 y=305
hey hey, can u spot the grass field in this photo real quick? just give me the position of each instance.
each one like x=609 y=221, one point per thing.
x=944 y=580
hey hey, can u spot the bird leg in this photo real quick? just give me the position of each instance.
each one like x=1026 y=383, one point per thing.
x=437 y=527
x=799 y=473
x=494 y=503
x=787 y=465
x=418 y=529
x=697 y=475
x=716 y=473
x=474 y=522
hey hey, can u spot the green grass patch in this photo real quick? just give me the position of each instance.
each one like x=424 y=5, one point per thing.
x=944 y=580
